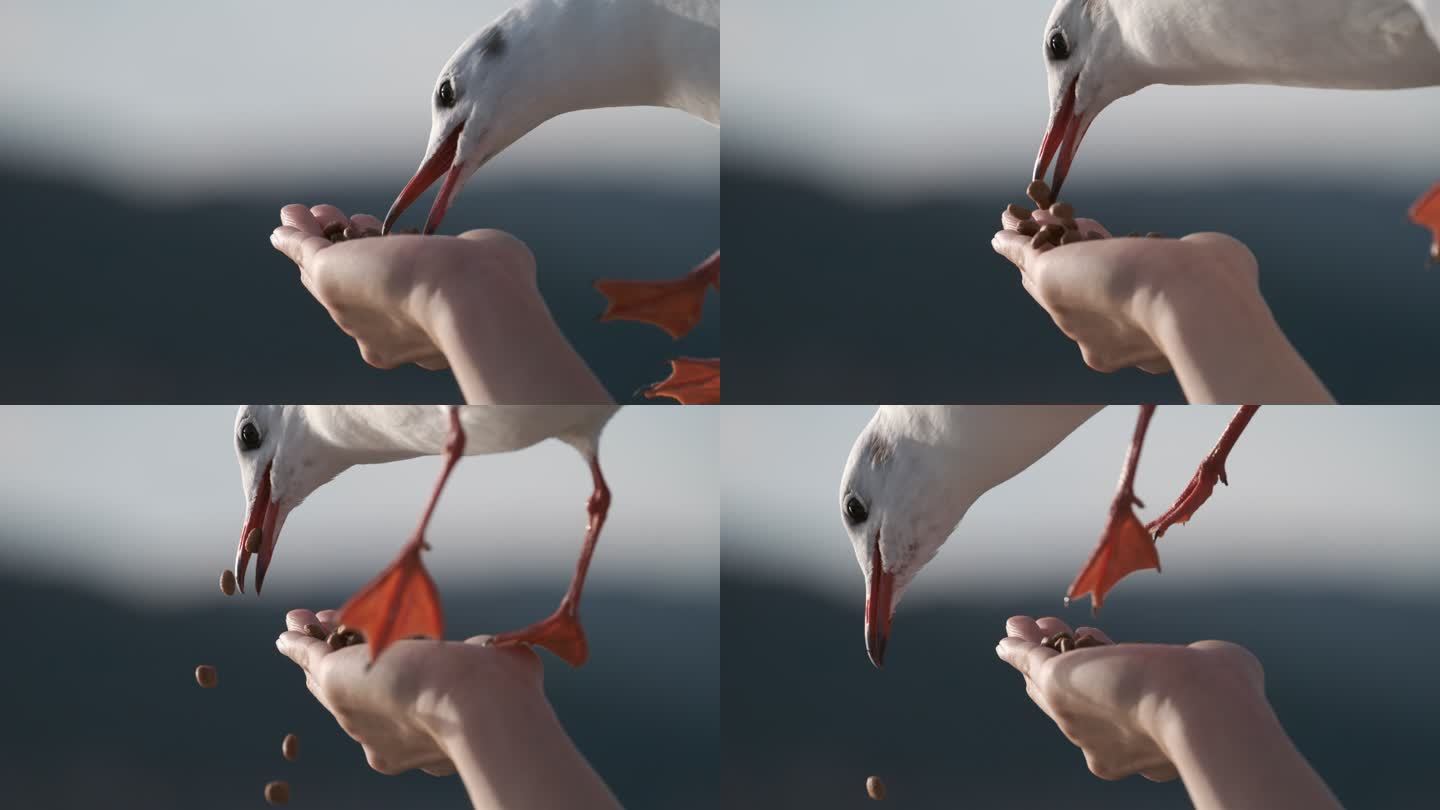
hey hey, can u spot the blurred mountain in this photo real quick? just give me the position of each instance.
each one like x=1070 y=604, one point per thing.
x=109 y=300
x=946 y=724
x=844 y=300
x=101 y=708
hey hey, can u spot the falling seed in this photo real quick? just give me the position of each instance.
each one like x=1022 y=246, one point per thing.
x=277 y=792
x=1028 y=227
x=1039 y=192
x=206 y=676
x=1063 y=210
x=875 y=788
x=315 y=631
x=252 y=541
x=1018 y=212
x=227 y=582
x=290 y=747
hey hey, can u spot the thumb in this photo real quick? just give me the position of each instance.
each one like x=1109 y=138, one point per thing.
x=1012 y=246
x=301 y=247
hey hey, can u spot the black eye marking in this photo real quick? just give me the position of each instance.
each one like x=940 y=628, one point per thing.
x=492 y=43
x=855 y=511
x=445 y=95
x=1058 y=47
x=249 y=436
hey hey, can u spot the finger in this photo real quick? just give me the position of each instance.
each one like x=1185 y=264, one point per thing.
x=1050 y=625
x=299 y=217
x=1162 y=774
x=1023 y=627
x=302 y=649
x=1012 y=246
x=297 y=619
x=1088 y=225
x=300 y=246
x=365 y=222
x=328 y=618
x=1025 y=656
x=1096 y=632
x=329 y=215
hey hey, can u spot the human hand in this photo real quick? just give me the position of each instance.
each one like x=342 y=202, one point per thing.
x=1109 y=295
x=1118 y=702
x=381 y=291
x=405 y=709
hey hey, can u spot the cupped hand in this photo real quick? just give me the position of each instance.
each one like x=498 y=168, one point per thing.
x=381 y=291
x=1102 y=292
x=1112 y=700
x=401 y=708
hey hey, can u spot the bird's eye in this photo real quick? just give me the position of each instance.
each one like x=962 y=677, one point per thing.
x=445 y=96
x=855 y=511
x=249 y=436
x=1058 y=47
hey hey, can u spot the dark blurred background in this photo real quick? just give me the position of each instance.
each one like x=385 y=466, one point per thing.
x=114 y=300
x=845 y=299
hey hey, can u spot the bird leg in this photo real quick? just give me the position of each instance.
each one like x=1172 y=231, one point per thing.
x=1426 y=213
x=1212 y=469
x=1125 y=546
x=671 y=305
x=402 y=601
x=561 y=633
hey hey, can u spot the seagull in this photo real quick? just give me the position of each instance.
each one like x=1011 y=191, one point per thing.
x=915 y=470
x=1099 y=51
x=544 y=58
x=287 y=452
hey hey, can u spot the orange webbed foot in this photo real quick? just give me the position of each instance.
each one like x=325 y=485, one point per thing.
x=1426 y=213
x=401 y=602
x=561 y=634
x=674 y=306
x=1125 y=547
x=1196 y=493
x=691 y=382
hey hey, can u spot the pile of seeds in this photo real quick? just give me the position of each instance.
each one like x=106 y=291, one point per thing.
x=875 y=788
x=1043 y=237
x=340 y=639
x=338 y=233
x=1064 y=642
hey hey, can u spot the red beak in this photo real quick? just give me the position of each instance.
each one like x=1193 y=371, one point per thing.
x=430 y=171
x=266 y=516
x=1067 y=128
x=878 y=608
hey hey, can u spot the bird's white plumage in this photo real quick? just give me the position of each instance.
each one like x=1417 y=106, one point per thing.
x=918 y=468
x=1429 y=11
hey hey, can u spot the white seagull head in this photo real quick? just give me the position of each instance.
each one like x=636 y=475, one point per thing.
x=486 y=97
x=900 y=499
x=282 y=461
x=1087 y=64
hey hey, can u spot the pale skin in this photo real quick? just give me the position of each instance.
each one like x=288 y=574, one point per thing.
x=469 y=303
x=1197 y=712
x=1190 y=305
x=447 y=707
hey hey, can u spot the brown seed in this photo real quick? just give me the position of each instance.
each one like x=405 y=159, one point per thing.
x=1065 y=644
x=1154 y=235
x=206 y=676
x=1094 y=235
x=1028 y=227
x=1071 y=237
x=1088 y=640
x=315 y=631
x=252 y=541
x=277 y=792
x=1132 y=234
x=227 y=582
x=1070 y=225
x=1052 y=233
x=1053 y=641
x=334 y=229
x=336 y=641
x=1063 y=210
x=290 y=747
x=875 y=788
x=1039 y=192
x=352 y=232
x=372 y=232
x=1018 y=212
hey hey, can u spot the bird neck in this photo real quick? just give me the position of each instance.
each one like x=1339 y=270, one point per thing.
x=590 y=54
x=375 y=434
x=994 y=443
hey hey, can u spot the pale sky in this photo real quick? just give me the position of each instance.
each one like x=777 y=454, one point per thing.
x=934 y=94
x=145 y=503
x=164 y=97
x=1318 y=496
